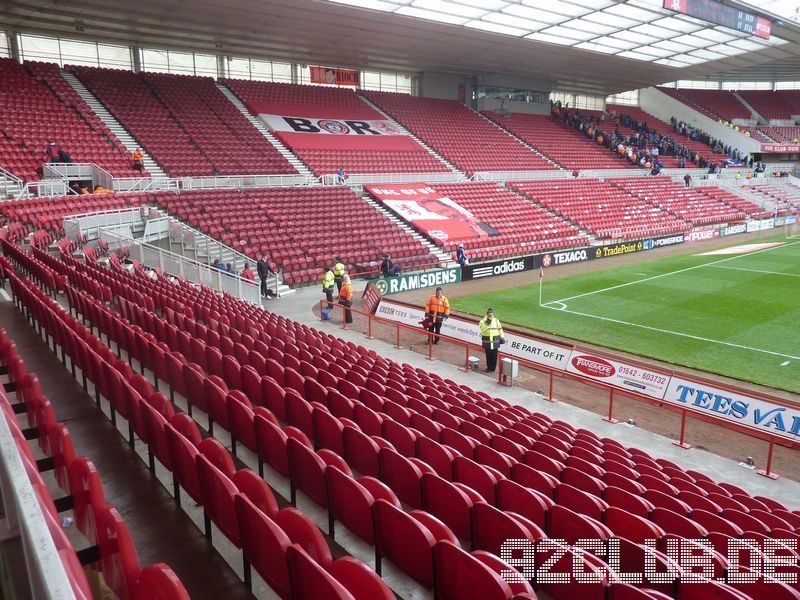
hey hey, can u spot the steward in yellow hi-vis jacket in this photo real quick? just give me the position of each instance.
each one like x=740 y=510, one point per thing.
x=437 y=310
x=327 y=286
x=338 y=273
x=491 y=338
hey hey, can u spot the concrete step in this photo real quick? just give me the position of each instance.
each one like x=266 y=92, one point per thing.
x=122 y=134
x=399 y=126
x=293 y=160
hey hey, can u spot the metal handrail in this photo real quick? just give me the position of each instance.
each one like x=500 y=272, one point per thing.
x=23 y=514
x=191 y=270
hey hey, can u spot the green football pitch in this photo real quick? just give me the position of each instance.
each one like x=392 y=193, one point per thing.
x=733 y=314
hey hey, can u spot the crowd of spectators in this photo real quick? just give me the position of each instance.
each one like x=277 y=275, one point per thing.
x=644 y=147
x=693 y=133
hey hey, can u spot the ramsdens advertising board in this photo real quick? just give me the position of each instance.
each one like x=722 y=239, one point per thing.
x=418 y=280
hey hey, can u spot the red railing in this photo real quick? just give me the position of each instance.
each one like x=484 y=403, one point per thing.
x=612 y=391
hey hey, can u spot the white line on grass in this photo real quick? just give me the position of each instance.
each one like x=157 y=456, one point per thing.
x=622 y=285
x=759 y=271
x=686 y=335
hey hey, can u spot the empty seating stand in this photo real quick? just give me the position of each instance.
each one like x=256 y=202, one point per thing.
x=601 y=208
x=300 y=229
x=778 y=104
x=523 y=227
x=36 y=106
x=325 y=154
x=460 y=134
x=717 y=104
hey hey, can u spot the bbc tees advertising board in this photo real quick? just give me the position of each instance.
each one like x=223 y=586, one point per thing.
x=741 y=409
x=634 y=378
x=499 y=267
x=518 y=346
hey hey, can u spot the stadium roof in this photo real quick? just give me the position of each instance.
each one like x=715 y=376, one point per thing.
x=592 y=46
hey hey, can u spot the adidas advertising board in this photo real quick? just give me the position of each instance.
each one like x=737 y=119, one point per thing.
x=498 y=267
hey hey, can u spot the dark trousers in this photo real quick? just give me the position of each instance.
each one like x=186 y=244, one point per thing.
x=348 y=315
x=338 y=282
x=436 y=327
x=265 y=291
x=329 y=296
x=491 y=357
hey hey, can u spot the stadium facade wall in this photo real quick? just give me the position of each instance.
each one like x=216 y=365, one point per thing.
x=496 y=104
x=658 y=104
x=444 y=85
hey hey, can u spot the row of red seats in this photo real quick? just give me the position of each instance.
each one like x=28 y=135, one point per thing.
x=778 y=104
x=672 y=521
x=50 y=279
x=94 y=517
x=717 y=104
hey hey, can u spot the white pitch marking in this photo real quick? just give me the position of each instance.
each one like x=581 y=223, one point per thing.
x=760 y=271
x=686 y=335
x=786 y=362
x=622 y=285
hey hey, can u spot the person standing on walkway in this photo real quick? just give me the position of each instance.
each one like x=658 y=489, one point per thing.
x=346 y=298
x=491 y=338
x=437 y=310
x=264 y=271
x=327 y=286
x=338 y=273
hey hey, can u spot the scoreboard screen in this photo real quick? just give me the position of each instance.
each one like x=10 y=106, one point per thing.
x=720 y=14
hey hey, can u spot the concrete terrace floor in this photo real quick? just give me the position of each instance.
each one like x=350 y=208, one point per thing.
x=300 y=307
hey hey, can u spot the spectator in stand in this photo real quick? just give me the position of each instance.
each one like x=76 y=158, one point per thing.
x=437 y=310
x=138 y=160
x=387 y=266
x=340 y=176
x=51 y=151
x=687 y=180
x=461 y=256
x=491 y=338
x=99 y=189
x=247 y=273
x=264 y=271
x=338 y=273
x=346 y=298
x=230 y=270
x=327 y=286
x=63 y=157
x=85 y=190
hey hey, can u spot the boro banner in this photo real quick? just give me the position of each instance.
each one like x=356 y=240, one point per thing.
x=626 y=376
x=747 y=411
x=295 y=124
x=335 y=76
x=434 y=214
x=517 y=346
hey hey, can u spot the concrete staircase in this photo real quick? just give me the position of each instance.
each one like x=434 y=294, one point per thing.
x=10 y=186
x=405 y=131
x=441 y=255
x=296 y=163
x=115 y=126
x=755 y=114
x=516 y=139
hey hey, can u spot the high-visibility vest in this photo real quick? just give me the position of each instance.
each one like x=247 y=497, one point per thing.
x=327 y=280
x=438 y=306
x=346 y=292
x=338 y=269
x=491 y=329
